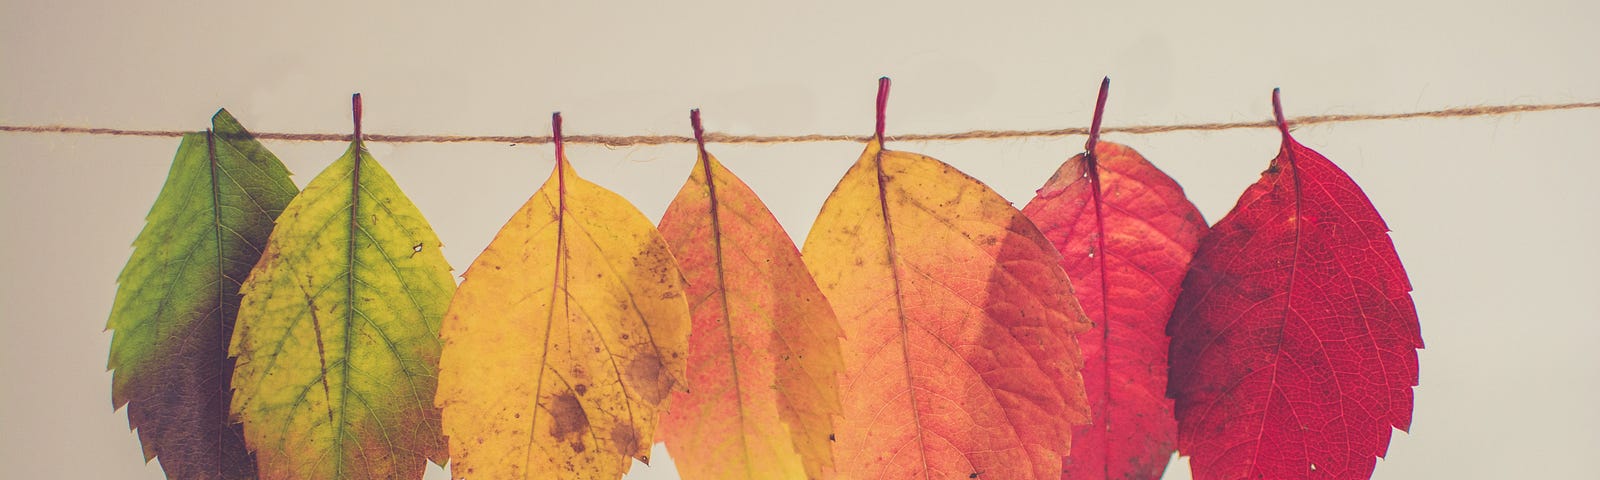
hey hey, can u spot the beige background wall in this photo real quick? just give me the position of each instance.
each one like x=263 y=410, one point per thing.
x=1497 y=219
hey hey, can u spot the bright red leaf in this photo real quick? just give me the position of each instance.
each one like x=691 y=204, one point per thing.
x=1294 y=341
x=1126 y=234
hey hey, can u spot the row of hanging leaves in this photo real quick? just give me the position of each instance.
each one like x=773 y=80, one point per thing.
x=928 y=330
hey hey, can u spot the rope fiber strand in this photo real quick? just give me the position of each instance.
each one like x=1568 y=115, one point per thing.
x=633 y=140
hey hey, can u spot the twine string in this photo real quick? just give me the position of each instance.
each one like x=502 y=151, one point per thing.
x=712 y=137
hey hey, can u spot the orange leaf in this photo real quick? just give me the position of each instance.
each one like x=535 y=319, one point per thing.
x=959 y=325
x=764 y=351
x=566 y=336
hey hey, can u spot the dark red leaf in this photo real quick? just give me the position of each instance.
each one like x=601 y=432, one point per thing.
x=1294 y=341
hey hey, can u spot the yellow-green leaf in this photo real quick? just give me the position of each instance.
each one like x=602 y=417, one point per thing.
x=179 y=295
x=337 y=341
x=567 y=335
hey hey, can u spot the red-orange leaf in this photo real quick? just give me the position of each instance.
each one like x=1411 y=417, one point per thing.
x=959 y=324
x=764 y=346
x=1126 y=233
x=1294 y=341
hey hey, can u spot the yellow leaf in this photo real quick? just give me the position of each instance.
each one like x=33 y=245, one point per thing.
x=764 y=355
x=566 y=337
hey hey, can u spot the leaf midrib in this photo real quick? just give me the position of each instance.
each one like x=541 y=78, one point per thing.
x=1288 y=301
x=216 y=222
x=727 y=317
x=350 y=305
x=900 y=308
x=1093 y=167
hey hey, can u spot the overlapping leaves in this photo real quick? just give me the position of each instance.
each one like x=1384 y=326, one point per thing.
x=931 y=331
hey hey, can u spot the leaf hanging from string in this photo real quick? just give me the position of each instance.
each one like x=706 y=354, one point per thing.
x=960 y=356
x=179 y=296
x=1294 y=343
x=1126 y=234
x=764 y=351
x=337 y=340
x=568 y=334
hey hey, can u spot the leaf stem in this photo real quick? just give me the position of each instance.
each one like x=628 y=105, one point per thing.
x=883 y=104
x=1099 y=111
x=355 y=112
x=1277 y=111
x=555 y=138
x=699 y=131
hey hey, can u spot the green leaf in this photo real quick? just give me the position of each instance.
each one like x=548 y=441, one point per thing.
x=179 y=294
x=338 y=338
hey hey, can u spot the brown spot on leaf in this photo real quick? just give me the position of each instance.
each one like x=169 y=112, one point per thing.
x=669 y=295
x=648 y=378
x=581 y=388
x=625 y=438
x=578 y=447
x=569 y=416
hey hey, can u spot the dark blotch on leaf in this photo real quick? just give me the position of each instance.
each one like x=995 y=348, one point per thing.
x=569 y=416
x=626 y=439
x=648 y=378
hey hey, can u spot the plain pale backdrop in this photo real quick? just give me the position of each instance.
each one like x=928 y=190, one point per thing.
x=1497 y=219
